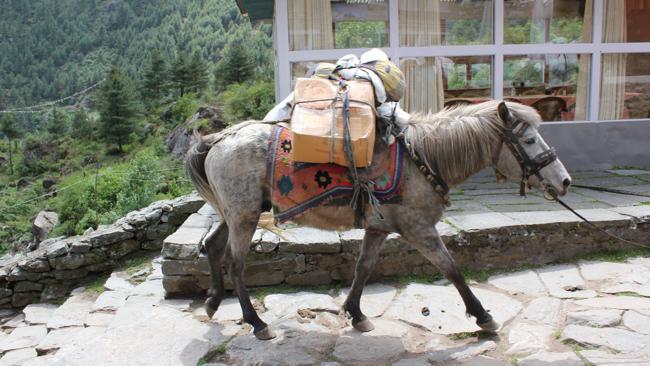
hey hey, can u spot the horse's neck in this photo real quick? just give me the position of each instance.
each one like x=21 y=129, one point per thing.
x=465 y=157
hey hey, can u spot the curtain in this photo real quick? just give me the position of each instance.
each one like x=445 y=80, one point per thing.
x=310 y=25
x=419 y=23
x=612 y=83
x=584 y=66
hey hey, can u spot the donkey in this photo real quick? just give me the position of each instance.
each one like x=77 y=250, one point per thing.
x=228 y=170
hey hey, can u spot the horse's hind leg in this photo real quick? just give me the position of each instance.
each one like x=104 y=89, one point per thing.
x=433 y=248
x=216 y=244
x=239 y=242
x=372 y=243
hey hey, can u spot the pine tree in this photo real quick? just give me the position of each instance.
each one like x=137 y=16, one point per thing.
x=57 y=124
x=198 y=72
x=156 y=77
x=9 y=128
x=180 y=73
x=236 y=66
x=118 y=108
x=81 y=127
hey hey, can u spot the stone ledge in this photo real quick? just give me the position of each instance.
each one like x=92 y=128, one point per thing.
x=50 y=271
x=308 y=256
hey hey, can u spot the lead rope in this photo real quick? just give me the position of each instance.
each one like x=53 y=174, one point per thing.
x=358 y=201
x=599 y=228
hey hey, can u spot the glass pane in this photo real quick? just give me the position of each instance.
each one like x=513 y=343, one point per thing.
x=431 y=23
x=625 y=86
x=557 y=85
x=304 y=69
x=435 y=82
x=325 y=24
x=626 y=21
x=543 y=21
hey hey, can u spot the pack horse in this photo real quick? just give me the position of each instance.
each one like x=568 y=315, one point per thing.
x=229 y=171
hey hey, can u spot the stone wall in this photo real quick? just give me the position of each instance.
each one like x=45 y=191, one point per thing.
x=305 y=256
x=49 y=272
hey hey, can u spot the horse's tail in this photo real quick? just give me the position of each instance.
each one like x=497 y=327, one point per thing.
x=195 y=160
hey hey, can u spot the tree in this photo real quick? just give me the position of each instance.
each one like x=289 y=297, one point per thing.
x=118 y=108
x=81 y=127
x=198 y=72
x=57 y=122
x=9 y=129
x=236 y=66
x=156 y=77
x=180 y=73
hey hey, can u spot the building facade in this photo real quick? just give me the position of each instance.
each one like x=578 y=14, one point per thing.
x=583 y=64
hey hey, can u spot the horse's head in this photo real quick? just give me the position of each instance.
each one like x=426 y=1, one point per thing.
x=526 y=156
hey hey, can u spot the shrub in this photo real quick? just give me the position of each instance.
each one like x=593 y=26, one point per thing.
x=248 y=101
x=185 y=107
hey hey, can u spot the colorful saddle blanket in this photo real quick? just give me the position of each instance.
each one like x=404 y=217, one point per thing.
x=298 y=187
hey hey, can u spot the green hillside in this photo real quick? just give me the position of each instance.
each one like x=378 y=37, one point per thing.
x=155 y=63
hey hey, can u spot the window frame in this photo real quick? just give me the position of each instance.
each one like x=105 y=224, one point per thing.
x=498 y=50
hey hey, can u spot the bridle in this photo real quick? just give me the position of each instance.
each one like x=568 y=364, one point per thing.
x=511 y=135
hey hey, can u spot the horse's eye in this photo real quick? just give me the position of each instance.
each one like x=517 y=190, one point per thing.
x=530 y=141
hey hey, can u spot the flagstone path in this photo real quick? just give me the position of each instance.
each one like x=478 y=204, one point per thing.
x=573 y=314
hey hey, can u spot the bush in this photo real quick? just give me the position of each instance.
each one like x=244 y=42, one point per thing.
x=248 y=101
x=185 y=107
x=119 y=191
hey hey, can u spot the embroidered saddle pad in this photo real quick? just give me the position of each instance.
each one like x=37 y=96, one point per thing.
x=298 y=187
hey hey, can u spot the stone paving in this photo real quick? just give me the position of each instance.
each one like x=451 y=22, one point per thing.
x=483 y=194
x=586 y=313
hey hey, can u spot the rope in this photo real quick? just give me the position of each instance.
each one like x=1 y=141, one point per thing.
x=599 y=228
x=610 y=190
x=29 y=109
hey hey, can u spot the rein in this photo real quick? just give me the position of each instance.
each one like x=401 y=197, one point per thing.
x=565 y=205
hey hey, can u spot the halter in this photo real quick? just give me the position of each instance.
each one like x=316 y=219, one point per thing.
x=511 y=137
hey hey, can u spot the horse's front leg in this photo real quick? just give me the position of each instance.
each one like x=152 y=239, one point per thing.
x=434 y=249
x=372 y=243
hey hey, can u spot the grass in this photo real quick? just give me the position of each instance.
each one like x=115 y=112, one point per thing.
x=219 y=350
x=645 y=203
x=95 y=286
x=137 y=262
x=628 y=293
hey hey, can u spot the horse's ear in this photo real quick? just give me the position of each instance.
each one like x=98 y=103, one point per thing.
x=505 y=114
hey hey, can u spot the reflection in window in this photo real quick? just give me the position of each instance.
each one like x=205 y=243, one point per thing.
x=436 y=22
x=304 y=69
x=626 y=21
x=543 y=21
x=625 y=86
x=436 y=82
x=325 y=24
x=556 y=85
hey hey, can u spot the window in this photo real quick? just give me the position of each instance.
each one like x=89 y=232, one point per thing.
x=325 y=24
x=556 y=85
x=542 y=21
x=431 y=23
x=626 y=21
x=304 y=69
x=625 y=86
x=435 y=82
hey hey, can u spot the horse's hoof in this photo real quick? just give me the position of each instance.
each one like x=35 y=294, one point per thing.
x=265 y=334
x=211 y=306
x=491 y=325
x=364 y=325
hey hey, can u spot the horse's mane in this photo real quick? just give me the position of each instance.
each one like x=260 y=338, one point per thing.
x=459 y=140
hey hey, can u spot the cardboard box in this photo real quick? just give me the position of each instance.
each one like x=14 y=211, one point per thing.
x=317 y=122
